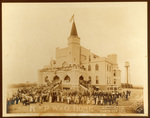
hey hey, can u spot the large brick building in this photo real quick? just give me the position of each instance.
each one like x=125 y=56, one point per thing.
x=75 y=63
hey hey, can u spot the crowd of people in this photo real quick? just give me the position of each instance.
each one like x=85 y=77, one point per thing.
x=41 y=94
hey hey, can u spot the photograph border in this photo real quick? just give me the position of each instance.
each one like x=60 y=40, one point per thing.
x=74 y=1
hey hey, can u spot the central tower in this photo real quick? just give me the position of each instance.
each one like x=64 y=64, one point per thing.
x=74 y=46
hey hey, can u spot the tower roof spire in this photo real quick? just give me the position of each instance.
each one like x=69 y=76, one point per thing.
x=73 y=30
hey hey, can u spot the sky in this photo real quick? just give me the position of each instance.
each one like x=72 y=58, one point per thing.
x=32 y=31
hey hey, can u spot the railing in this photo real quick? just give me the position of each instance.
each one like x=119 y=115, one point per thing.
x=55 y=84
x=69 y=67
x=84 y=87
x=84 y=83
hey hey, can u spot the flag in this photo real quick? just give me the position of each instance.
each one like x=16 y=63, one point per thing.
x=72 y=18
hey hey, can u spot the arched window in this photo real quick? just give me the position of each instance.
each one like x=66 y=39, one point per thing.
x=96 y=67
x=97 y=80
x=89 y=68
x=81 y=78
x=56 y=78
x=67 y=79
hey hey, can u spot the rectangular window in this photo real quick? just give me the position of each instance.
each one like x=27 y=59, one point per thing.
x=114 y=81
x=97 y=82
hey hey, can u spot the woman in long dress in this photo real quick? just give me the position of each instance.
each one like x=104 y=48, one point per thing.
x=101 y=100
x=57 y=98
x=97 y=100
x=36 y=99
x=88 y=100
x=30 y=99
x=50 y=98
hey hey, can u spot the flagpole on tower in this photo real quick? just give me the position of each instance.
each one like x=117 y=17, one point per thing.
x=72 y=18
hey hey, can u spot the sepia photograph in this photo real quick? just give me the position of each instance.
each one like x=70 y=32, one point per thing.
x=74 y=59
